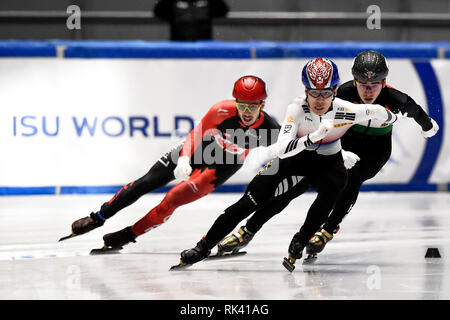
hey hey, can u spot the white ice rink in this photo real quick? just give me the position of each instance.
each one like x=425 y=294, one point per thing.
x=378 y=254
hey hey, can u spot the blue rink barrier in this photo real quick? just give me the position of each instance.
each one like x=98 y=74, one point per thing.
x=219 y=49
x=13 y=48
x=420 y=54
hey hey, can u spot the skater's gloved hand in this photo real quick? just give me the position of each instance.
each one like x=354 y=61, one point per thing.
x=183 y=169
x=432 y=131
x=350 y=159
x=321 y=132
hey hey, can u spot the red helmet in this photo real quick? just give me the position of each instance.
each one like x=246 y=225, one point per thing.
x=249 y=88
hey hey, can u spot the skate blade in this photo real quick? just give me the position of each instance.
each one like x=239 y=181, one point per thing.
x=311 y=258
x=180 y=266
x=105 y=250
x=288 y=263
x=68 y=237
x=226 y=255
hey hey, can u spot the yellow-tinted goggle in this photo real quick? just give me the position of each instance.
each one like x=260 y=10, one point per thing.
x=251 y=107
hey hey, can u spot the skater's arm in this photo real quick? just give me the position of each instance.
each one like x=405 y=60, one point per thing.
x=209 y=122
x=418 y=114
x=289 y=148
x=364 y=112
x=214 y=117
x=288 y=131
x=401 y=102
x=411 y=109
x=288 y=144
x=291 y=124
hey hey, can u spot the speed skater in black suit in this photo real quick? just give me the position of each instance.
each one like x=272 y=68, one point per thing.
x=370 y=141
x=308 y=146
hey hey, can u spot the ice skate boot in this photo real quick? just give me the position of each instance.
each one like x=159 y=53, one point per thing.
x=234 y=242
x=84 y=225
x=317 y=243
x=295 y=252
x=194 y=255
x=115 y=241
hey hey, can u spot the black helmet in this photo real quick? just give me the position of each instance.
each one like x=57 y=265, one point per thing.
x=370 y=66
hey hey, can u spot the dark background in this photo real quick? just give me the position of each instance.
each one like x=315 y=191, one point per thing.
x=327 y=20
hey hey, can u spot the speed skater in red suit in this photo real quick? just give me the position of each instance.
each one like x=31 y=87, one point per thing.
x=212 y=152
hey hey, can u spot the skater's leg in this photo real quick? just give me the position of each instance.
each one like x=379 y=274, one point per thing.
x=343 y=205
x=265 y=213
x=202 y=181
x=316 y=215
x=224 y=224
x=330 y=184
x=260 y=192
x=372 y=161
x=157 y=177
x=228 y=220
x=185 y=192
x=374 y=152
x=244 y=235
x=198 y=185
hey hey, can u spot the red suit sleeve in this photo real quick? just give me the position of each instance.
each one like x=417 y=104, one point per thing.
x=216 y=115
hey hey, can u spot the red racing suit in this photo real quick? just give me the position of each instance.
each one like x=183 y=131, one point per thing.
x=217 y=147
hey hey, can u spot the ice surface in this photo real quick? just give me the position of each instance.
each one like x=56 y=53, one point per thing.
x=379 y=252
